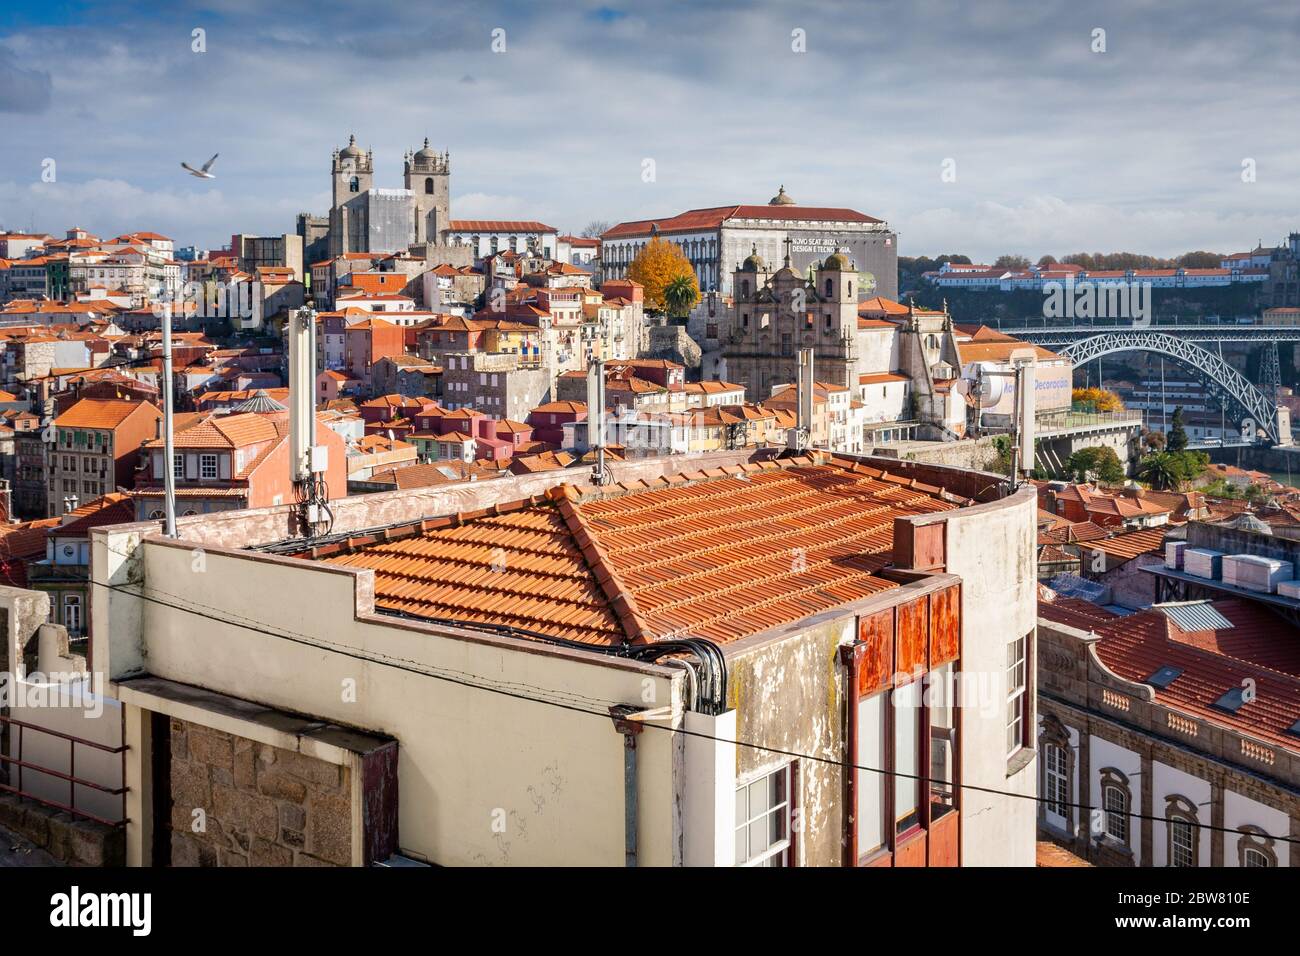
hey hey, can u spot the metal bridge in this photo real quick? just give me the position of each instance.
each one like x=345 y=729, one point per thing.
x=1061 y=335
x=1254 y=411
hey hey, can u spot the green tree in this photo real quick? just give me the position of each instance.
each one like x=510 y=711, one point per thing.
x=680 y=295
x=1177 y=437
x=1097 y=463
x=1161 y=471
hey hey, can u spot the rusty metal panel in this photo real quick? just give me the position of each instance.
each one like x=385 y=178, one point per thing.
x=919 y=547
x=876 y=664
x=944 y=839
x=945 y=626
x=911 y=851
x=379 y=803
x=913 y=637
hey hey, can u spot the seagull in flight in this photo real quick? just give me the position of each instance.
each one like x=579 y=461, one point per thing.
x=202 y=173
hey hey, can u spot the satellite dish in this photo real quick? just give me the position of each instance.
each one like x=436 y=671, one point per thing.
x=986 y=388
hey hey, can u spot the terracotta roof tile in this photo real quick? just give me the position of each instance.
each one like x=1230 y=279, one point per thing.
x=720 y=556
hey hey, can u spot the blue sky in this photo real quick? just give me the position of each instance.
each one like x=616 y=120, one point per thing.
x=1056 y=148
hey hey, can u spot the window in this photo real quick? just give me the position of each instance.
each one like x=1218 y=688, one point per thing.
x=354 y=185
x=1182 y=843
x=941 y=701
x=428 y=186
x=72 y=613
x=178 y=466
x=207 y=466
x=907 y=756
x=1057 y=788
x=1017 y=699
x=1255 y=848
x=763 y=820
x=1254 y=857
x=872 y=752
x=1115 y=804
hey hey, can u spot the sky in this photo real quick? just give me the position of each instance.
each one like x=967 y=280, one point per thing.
x=981 y=128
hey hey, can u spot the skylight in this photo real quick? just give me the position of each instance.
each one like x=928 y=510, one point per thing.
x=1165 y=676
x=1230 y=702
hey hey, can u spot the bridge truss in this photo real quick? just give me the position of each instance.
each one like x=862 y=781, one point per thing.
x=1256 y=414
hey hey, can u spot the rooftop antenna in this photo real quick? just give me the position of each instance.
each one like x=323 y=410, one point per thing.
x=169 y=460
x=596 y=419
x=800 y=438
x=308 y=462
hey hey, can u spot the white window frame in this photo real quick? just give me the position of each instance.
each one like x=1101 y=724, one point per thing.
x=747 y=819
x=1017 y=684
x=178 y=465
x=215 y=461
x=1118 y=815
x=1181 y=853
x=1251 y=852
x=1056 y=781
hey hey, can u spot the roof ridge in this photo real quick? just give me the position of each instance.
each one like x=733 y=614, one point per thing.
x=620 y=599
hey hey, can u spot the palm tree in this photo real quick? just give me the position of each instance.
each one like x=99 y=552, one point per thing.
x=680 y=296
x=1160 y=471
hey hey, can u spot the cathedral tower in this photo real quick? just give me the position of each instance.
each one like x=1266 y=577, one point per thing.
x=427 y=176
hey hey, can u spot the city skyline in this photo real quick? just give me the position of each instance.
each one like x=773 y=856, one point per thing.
x=1139 y=148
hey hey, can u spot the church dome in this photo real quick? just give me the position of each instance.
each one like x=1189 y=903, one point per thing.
x=426 y=155
x=781 y=198
x=351 y=150
x=753 y=262
x=837 y=262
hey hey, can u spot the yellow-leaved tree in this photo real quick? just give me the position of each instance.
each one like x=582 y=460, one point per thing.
x=1098 y=399
x=657 y=266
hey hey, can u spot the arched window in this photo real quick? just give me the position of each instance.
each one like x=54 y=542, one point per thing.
x=354 y=185
x=829 y=286
x=1115 y=804
x=744 y=287
x=1056 y=780
x=1182 y=832
x=1255 y=848
x=428 y=186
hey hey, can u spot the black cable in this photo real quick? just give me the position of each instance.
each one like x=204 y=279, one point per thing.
x=796 y=755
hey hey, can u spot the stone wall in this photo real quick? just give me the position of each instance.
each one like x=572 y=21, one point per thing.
x=261 y=805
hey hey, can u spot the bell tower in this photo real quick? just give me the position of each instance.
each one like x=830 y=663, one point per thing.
x=353 y=171
x=428 y=177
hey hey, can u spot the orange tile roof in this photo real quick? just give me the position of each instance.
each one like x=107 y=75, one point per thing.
x=1136 y=646
x=720 y=554
x=1127 y=546
x=99 y=413
x=222 y=431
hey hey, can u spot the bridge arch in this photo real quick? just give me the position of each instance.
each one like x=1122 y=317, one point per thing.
x=1248 y=401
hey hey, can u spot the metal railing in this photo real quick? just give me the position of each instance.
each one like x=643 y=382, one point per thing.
x=1072 y=419
x=71 y=776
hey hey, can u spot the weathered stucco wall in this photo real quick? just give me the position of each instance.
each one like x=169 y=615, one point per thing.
x=485 y=778
x=992 y=548
x=789 y=697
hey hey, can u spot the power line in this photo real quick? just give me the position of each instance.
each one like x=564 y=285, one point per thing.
x=401 y=664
